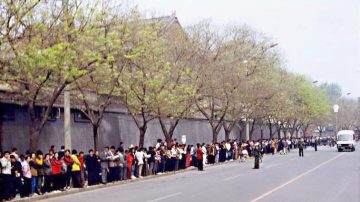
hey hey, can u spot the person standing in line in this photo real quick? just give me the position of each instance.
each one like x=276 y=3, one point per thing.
x=16 y=175
x=203 y=148
x=48 y=174
x=34 y=173
x=75 y=170
x=82 y=168
x=104 y=157
x=301 y=147
x=151 y=161
x=91 y=167
x=199 y=157
x=140 y=156
x=40 y=171
x=25 y=168
x=130 y=162
x=68 y=160
x=56 y=167
x=6 y=176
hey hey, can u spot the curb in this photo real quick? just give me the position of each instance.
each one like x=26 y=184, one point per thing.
x=102 y=186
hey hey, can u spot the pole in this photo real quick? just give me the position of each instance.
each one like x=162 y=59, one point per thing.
x=247 y=130
x=336 y=123
x=67 y=108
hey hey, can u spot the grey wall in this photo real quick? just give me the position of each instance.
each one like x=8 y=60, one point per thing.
x=115 y=127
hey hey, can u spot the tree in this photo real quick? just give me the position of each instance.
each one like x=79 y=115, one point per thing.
x=98 y=89
x=50 y=46
x=313 y=103
x=213 y=91
x=332 y=90
x=151 y=79
x=180 y=91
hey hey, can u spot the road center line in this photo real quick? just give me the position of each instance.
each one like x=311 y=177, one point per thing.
x=165 y=197
x=295 y=178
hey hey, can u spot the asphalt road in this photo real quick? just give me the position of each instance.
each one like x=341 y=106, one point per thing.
x=325 y=175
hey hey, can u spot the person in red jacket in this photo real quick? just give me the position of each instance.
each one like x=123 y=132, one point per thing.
x=130 y=162
x=56 y=165
x=82 y=168
x=199 y=157
x=69 y=162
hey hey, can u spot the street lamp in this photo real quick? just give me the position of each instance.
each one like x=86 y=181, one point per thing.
x=336 y=110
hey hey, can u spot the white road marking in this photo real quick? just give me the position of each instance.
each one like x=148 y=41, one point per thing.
x=165 y=197
x=234 y=177
x=293 y=159
x=295 y=178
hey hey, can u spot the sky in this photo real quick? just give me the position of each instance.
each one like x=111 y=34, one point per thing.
x=318 y=38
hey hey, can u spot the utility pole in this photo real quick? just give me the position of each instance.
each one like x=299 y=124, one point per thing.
x=67 y=107
x=247 y=130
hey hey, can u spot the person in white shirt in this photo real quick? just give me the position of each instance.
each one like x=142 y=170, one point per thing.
x=6 y=176
x=204 y=151
x=244 y=154
x=140 y=155
x=26 y=173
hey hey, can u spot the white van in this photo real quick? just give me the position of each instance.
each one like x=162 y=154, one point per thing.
x=345 y=140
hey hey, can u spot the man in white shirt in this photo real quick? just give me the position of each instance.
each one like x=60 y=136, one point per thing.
x=5 y=162
x=204 y=151
x=140 y=155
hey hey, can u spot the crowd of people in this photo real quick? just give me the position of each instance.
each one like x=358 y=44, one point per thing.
x=37 y=173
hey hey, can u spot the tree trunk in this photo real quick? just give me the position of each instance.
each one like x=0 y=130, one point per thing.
x=262 y=134
x=279 y=133
x=305 y=129
x=1 y=130
x=228 y=129
x=34 y=137
x=142 y=131
x=215 y=135
x=227 y=135
x=96 y=136
x=252 y=130
x=270 y=130
x=168 y=134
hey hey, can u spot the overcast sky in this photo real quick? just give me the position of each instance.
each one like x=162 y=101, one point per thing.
x=318 y=38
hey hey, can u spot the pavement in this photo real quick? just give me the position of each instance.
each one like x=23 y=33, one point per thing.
x=322 y=176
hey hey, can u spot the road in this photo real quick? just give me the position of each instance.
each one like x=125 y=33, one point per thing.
x=325 y=175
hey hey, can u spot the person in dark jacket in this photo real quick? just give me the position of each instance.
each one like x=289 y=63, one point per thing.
x=91 y=162
x=301 y=147
x=257 y=155
x=16 y=173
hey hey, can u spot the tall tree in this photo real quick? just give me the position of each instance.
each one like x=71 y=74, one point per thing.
x=55 y=47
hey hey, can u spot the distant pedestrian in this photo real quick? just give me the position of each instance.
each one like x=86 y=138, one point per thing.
x=301 y=145
x=257 y=155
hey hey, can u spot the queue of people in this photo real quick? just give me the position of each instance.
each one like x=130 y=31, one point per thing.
x=36 y=173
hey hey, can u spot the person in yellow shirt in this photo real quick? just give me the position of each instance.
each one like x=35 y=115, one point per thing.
x=75 y=170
